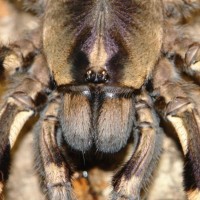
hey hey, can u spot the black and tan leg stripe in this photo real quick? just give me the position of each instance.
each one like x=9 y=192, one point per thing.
x=56 y=169
x=129 y=180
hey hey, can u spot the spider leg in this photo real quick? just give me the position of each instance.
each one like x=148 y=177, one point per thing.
x=16 y=58
x=54 y=167
x=128 y=182
x=20 y=105
x=180 y=107
x=191 y=66
x=180 y=10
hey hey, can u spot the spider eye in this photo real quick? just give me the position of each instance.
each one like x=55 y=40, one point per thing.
x=96 y=77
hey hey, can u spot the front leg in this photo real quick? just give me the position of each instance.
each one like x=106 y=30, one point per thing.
x=131 y=178
x=54 y=169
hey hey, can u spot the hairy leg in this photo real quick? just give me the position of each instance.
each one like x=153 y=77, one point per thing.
x=53 y=167
x=129 y=180
x=29 y=93
x=180 y=106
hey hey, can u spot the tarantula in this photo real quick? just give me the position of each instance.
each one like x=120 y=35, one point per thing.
x=104 y=73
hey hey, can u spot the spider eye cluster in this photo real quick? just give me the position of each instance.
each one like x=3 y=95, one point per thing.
x=97 y=77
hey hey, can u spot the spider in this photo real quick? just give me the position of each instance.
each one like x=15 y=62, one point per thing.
x=101 y=74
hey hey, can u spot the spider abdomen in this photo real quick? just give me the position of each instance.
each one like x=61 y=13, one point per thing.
x=97 y=117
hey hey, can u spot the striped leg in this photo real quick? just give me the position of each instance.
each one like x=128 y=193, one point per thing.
x=17 y=109
x=54 y=168
x=181 y=108
x=129 y=180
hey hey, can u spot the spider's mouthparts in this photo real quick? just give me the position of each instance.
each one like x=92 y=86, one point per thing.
x=97 y=77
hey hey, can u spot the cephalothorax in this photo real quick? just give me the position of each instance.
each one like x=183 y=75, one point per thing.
x=101 y=68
